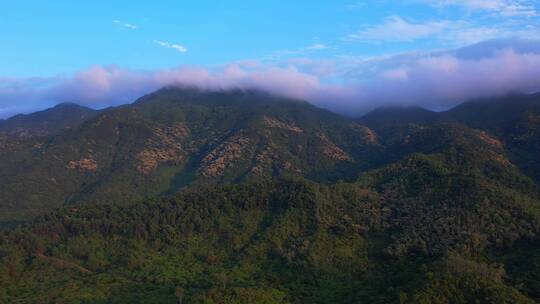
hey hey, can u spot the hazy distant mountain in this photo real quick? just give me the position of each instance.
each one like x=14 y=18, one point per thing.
x=47 y=122
x=388 y=116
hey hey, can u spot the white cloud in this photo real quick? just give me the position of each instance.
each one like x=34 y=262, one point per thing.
x=177 y=47
x=130 y=26
x=442 y=79
x=277 y=55
x=317 y=46
x=125 y=25
x=508 y=8
x=433 y=79
x=451 y=33
x=396 y=29
x=396 y=74
x=356 y=5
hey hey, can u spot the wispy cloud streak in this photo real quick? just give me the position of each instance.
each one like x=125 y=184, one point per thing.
x=507 y=8
x=174 y=46
x=125 y=25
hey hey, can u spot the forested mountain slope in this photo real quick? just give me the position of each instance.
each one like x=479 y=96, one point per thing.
x=174 y=138
x=512 y=119
x=242 y=197
x=178 y=137
x=290 y=241
x=47 y=122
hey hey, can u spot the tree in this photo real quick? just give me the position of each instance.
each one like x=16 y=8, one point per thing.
x=179 y=293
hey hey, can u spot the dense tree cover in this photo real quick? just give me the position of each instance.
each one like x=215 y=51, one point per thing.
x=178 y=137
x=423 y=230
x=174 y=138
x=241 y=197
x=51 y=121
x=514 y=119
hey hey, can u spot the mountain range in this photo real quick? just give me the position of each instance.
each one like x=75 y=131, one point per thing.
x=183 y=136
x=240 y=196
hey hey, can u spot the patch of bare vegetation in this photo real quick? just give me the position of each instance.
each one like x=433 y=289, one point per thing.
x=268 y=158
x=62 y=264
x=164 y=147
x=331 y=150
x=4 y=143
x=85 y=164
x=215 y=163
x=490 y=140
x=26 y=133
x=275 y=123
x=367 y=134
x=501 y=159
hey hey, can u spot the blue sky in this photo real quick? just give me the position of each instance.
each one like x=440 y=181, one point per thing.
x=60 y=42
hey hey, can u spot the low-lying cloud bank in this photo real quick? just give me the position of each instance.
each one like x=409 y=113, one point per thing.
x=435 y=80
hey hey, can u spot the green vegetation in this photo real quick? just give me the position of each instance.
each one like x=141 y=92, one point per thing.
x=48 y=122
x=175 y=138
x=241 y=197
x=287 y=241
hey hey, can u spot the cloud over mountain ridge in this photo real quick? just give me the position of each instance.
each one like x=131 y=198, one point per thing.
x=435 y=80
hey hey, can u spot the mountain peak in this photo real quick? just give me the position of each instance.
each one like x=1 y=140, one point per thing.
x=68 y=105
x=398 y=115
x=186 y=94
x=48 y=121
